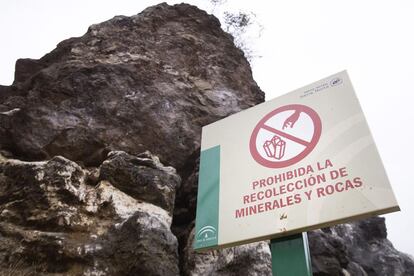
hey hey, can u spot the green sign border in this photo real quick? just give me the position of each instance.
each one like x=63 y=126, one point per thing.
x=207 y=216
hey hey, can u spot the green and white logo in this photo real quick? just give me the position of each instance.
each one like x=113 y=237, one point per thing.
x=207 y=233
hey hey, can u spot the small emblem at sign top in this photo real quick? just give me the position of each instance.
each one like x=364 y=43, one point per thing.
x=336 y=81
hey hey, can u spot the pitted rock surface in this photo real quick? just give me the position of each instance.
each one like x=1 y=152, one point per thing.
x=52 y=221
x=142 y=177
x=145 y=82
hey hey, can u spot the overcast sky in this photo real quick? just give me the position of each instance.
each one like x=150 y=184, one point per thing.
x=301 y=42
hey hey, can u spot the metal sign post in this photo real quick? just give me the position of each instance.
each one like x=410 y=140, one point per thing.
x=290 y=256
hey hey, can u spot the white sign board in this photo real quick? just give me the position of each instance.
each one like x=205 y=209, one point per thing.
x=302 y=161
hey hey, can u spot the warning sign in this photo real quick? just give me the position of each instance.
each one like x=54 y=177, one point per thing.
x=285 y=136
x=299 y=162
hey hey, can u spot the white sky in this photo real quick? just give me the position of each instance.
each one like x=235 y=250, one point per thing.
x=302 y=42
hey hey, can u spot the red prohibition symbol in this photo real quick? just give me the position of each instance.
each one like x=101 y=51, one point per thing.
x=285 y=136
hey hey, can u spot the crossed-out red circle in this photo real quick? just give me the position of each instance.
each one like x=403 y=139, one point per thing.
x=317 y=124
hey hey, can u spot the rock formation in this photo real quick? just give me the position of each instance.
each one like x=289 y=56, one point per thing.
x=99 y=144
x=146 y=82
x=55 y=219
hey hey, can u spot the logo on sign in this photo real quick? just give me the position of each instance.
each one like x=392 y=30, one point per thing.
x=285 y=136
x=336 y=81
x=207 y=233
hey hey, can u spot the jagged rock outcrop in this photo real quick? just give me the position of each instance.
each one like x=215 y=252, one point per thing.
x=99 y=144
x=359 y=248
x=146 y=82
x=142 y=177
x=53 y=221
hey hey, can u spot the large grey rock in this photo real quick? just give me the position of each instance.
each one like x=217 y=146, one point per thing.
x=359 y=248
x=43 y=194
x=145 y=82
x=51 y=221
x=143 y=177
x=142 y=245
